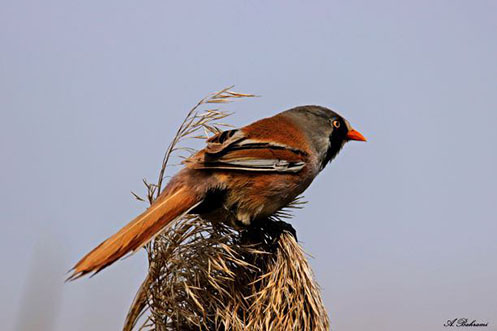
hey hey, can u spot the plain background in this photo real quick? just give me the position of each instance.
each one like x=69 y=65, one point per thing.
x=402 y=229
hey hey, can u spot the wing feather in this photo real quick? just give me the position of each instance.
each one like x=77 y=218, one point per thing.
x=232 y=150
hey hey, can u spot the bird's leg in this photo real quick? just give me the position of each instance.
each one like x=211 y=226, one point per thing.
x=284 y=226
x=267 y=231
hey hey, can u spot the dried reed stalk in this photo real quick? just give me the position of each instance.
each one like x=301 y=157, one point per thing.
x=205 y=276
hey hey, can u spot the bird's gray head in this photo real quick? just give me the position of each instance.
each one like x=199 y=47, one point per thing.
x=327 y=130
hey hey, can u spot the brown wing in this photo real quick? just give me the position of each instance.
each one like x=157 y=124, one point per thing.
x=236 y=150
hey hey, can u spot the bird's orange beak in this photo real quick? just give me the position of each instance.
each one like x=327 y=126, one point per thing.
x=355 y=135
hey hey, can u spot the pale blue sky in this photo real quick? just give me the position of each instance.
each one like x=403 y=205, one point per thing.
x=402 y=229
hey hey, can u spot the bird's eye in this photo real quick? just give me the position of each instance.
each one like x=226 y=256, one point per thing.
x=336 y=124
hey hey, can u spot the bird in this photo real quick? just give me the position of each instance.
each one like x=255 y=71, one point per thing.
x=241 y=176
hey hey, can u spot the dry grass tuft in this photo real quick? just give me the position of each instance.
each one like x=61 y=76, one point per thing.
x=205 y=276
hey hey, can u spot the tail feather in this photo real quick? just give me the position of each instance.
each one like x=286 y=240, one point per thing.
x=138 y=232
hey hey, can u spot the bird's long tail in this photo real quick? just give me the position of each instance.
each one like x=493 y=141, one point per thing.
x=138 y=232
